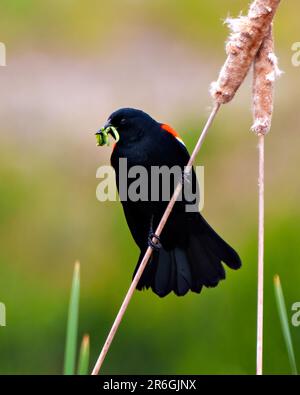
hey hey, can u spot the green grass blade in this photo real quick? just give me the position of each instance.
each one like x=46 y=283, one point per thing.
x=72 y=325
x=285 y=323
x=84 y=356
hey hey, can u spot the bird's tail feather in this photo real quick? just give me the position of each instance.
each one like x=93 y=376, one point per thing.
x=167 y=271
x=183 y=269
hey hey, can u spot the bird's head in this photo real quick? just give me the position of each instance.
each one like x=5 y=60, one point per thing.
x=126 y=124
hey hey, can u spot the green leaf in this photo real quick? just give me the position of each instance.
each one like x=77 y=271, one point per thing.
x=72 y=325
x=284 y=323
x=84 y=356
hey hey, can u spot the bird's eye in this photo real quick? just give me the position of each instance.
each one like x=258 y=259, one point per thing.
x=123 y=121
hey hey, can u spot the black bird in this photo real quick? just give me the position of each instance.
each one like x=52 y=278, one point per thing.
x=189 y=253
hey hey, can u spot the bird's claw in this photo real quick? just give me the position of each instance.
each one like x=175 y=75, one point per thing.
x=156 y=244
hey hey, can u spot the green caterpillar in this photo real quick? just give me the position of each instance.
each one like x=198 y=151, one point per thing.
x=102 y=135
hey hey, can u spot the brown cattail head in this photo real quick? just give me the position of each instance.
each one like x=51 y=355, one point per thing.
x=247 y=34
x=265 y=72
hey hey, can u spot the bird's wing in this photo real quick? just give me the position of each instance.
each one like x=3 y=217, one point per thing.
x=138 y=222
x=137 y=218
x=177 y=154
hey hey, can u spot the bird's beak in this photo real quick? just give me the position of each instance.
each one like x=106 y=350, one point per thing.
x=102 y=134
x=107 y=125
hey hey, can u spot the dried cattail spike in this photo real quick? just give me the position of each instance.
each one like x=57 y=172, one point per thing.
x=247 y=34
x=265 y=72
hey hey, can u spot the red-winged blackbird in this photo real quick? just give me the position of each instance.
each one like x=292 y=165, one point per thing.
x=189 y=253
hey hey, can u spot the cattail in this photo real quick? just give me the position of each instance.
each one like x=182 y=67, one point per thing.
x=247 y=34
x=265 y=72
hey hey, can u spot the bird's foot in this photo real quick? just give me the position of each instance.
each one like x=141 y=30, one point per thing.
x=156 y=244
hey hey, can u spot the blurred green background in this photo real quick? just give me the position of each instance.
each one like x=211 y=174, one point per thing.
x=69 y=65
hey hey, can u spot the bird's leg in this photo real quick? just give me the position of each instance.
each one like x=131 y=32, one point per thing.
x=156 y=244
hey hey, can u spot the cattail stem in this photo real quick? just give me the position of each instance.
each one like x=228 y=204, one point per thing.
x=260 y=287
x=265 y=71
x=149 y=250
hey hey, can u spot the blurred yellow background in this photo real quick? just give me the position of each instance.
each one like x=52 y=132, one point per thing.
x=69 y=65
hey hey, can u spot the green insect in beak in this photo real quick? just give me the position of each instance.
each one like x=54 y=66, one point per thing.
x=102 y=135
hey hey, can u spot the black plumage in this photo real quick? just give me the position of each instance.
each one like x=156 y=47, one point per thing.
x=191 y=252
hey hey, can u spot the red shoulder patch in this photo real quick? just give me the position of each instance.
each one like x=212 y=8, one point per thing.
x=173 y=132
x=170 y=130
